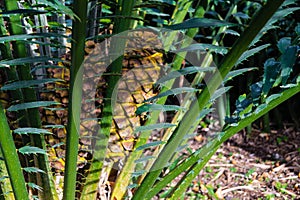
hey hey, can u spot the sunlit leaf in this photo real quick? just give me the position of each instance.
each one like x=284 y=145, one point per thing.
x=106 y=11
x=204 y=47
x=176 y=161
x=138 y=173
x=46 y=66
x=188 y=136
x=59 y=6
x=153 y=107
x=31 y=131
x=289 y=85
x=54 y=109
x=17 y=37
x=33 y=170
x=170 y=2
x=205 y=112
x=199 y=22
x=32 y=150
x=58 y=144
x=54 y=126
x=152 y=3
x=35 y=104
x=148 y=145
x=280 y=14
x=231 y=32
x=241 y=15
x=35 y=186
x=131 y=186
x=174 y=91
x=153 y=127
x=237 y=72
x=182 y=72
x=260 y=108
x=28 y=83
x=29 y=36
x=28 y=60
x=288 y=2
x=182 y=147
x=156 y=12
x=272 y=97
x=250 y=53
x=144 y=159
x=219 y=92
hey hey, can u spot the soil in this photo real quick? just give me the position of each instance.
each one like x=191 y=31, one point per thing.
x=251 y=166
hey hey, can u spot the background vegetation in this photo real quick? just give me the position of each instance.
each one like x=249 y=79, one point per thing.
x=252 y=51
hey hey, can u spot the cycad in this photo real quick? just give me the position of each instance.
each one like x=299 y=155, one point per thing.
x=137 y=108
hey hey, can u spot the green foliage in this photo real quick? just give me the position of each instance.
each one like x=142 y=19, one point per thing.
x=199 y=22
x=182 y=72
x=288 y=60
x=12 y=163
x=148 y=145
x=26 y=131
x=36 y=104
x=35 y=186
x=150 y=174
x=276 y=73
x=249 y=172
x=25 y=84
x=237 y=50
x=57 y=6
x=237 y=72
x=24 y=12
x=155 y=107
x=27 y=60
x=271 y=72
x=33 y=170
x=28 y=37
x=251 y=52
x=218 y=93
x=174 y=91
x=153 y=127
x=75 y=95
x=31 y=150
x=205 y=47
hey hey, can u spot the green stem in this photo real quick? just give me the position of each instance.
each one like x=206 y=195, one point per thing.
x=207 y=61
x=6 y=191
x=16 y=94
x=11 y=159
x=32 y=117
x=121 y=25
x=240 y=46
x=178 y=16
x=177 y=63
x=125 y=175
x=75 y=94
